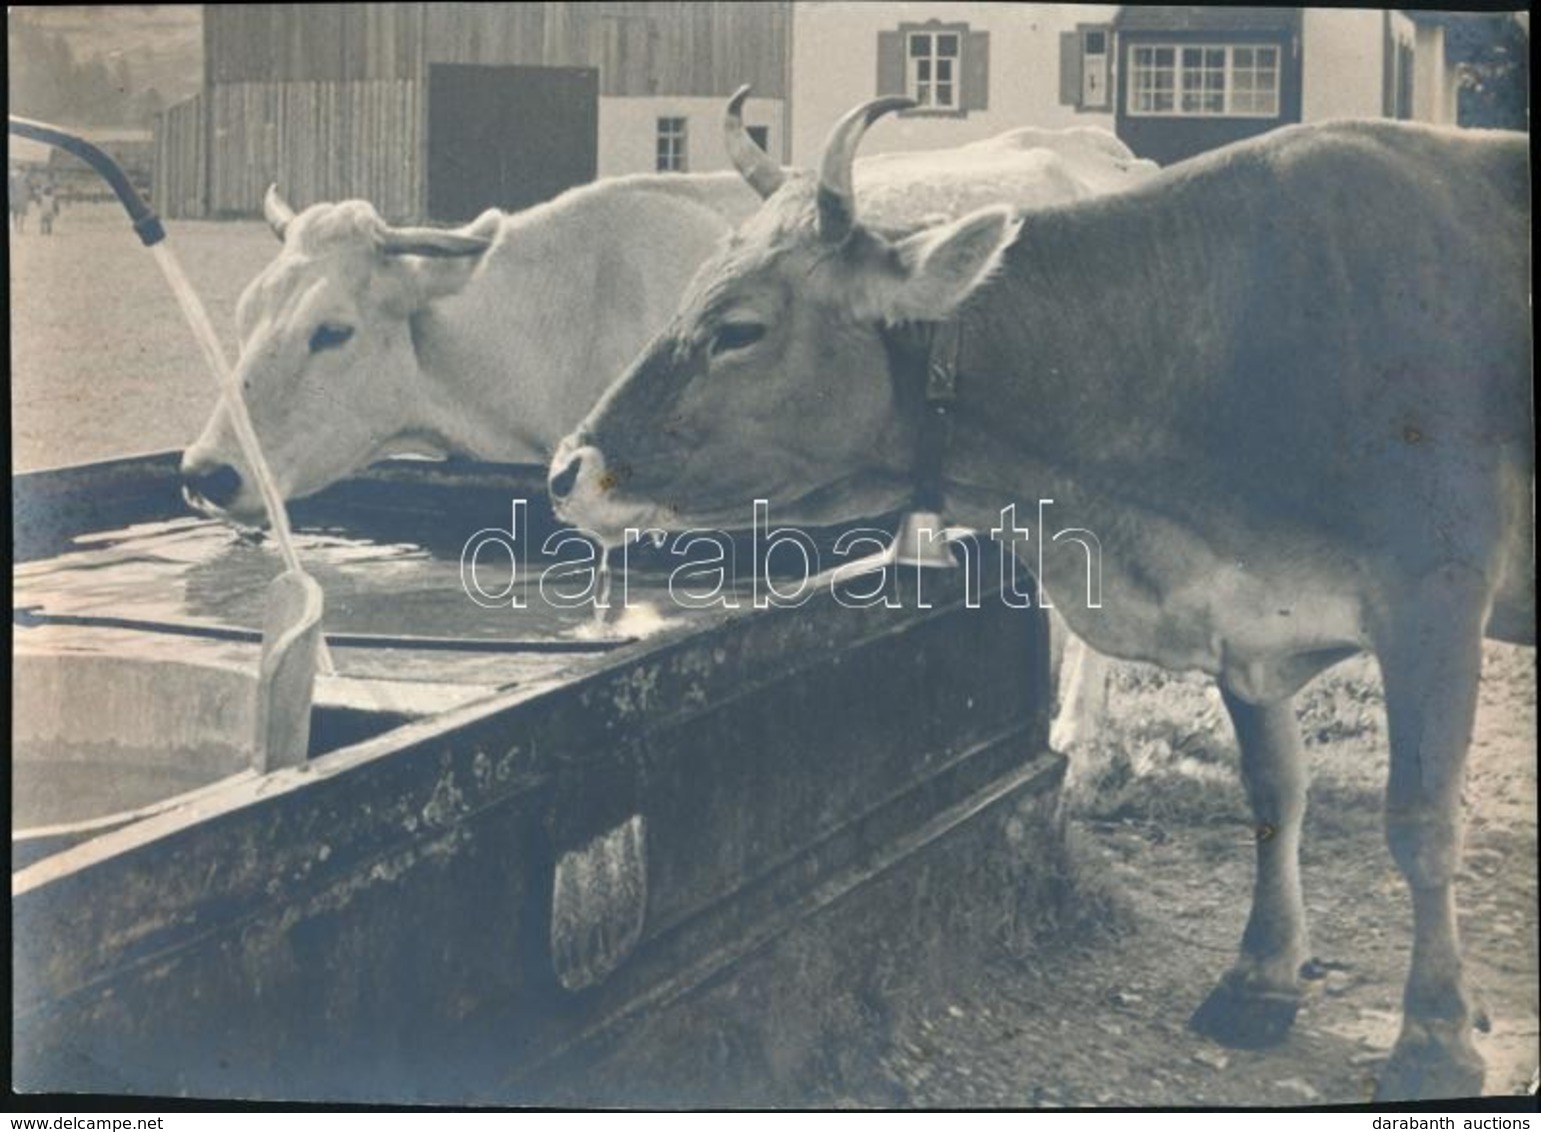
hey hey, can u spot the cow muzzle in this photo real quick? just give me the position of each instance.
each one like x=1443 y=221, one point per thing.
x=585 y=491
x=576 y=469
x=208 y=485
x=561 y=483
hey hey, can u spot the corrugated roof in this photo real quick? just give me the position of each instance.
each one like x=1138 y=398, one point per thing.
x=1138 y=17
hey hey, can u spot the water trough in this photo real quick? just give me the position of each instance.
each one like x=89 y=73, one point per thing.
x=521 y=865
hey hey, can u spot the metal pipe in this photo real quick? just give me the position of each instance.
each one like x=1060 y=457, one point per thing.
x=146 y=223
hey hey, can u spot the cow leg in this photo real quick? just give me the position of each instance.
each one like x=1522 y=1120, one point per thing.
x=1431 y=663
x=1256 y=1001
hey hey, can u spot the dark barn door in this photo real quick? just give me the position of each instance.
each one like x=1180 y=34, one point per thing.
x=508 y=137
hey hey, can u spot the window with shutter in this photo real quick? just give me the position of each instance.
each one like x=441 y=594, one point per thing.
x=1086 y=67
x=1095 y=71
x=944 y=67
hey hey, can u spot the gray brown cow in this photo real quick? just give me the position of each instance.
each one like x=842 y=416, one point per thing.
x=1287 y=386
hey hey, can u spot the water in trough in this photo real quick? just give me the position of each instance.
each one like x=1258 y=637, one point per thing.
x=137 y=650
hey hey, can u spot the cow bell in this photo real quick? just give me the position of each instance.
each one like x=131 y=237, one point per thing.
x=921 y=541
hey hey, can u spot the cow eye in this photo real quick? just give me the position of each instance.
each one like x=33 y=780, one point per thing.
x=329 y=336
x=736 y=336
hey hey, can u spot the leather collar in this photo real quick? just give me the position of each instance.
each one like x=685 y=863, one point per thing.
x=923 y=359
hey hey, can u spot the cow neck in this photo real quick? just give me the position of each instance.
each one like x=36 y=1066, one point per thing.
x=927 y=367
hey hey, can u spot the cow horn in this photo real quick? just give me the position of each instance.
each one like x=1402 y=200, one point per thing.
x=434 y=242
x=763 y=174
x=277 y=211
x=837 y=201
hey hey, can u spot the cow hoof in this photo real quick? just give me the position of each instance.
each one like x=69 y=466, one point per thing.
x=1245 y=1018
x=1426 y=1069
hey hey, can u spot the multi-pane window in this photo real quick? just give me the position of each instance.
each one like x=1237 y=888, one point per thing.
x=1152 y=80
x=1255 y=80
x=671 y=145
x=1203 y=79
x=932 y=72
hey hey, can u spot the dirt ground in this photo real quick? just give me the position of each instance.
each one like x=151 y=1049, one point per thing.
x=1163 y=839
x=103 y=366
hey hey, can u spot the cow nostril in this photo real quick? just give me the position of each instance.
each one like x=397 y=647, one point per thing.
x=219 y=485
x=562 y=483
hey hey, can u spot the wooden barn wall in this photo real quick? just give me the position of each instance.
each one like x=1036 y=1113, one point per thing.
x=246 y=43
x=179 y=177
x=318 y=141
x=687 y=48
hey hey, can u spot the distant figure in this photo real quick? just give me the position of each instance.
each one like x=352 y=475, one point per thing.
x=21 y=198
x=48 y=209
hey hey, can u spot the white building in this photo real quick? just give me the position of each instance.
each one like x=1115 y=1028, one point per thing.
x=1170 y=81
x=981 y=68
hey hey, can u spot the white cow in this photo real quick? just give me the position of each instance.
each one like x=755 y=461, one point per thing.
x=361 y=340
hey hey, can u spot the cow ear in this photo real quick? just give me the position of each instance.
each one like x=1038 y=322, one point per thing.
x=437 y=278
x=940 y=267
x=438 y=261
